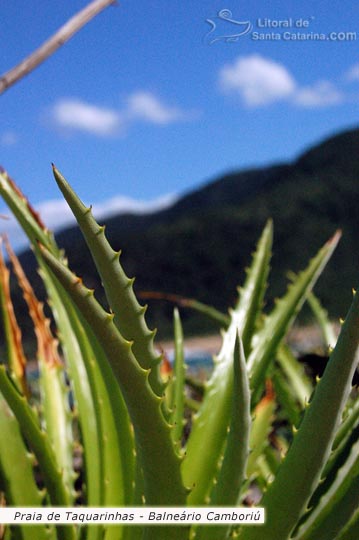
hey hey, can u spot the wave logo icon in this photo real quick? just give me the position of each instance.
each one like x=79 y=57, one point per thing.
x=225 y=15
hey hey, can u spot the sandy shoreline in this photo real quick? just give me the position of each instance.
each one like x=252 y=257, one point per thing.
x=204 y=344
x=303 y=339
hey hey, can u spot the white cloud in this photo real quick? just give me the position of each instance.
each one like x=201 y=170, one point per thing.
x=10 y=227
x=146 y=106
x=353 y=73
x=77 y=115
x=121 y=205
x=258 y=80
x=56 y=214
x=8 y=138
x=320 y=94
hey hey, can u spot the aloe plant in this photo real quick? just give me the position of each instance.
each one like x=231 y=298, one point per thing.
x=126 y=423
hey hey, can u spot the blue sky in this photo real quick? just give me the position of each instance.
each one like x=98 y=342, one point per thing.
x=151 y=99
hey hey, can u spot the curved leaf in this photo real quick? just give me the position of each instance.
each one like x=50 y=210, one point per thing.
x=16 y=471
x=40 y=445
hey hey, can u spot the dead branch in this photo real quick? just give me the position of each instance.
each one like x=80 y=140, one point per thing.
x=48 y=48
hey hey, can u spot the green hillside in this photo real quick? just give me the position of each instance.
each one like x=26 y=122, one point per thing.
x=200 y=246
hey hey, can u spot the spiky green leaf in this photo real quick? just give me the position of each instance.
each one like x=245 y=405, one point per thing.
x=129 y=315
x=299 y=474
x=178 y=381
x=338 y=505
x=233 y=468
x=160 y=463
x=280 y=319
x=212 y=421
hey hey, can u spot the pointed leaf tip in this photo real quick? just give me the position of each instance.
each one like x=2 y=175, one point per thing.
x=336 y=237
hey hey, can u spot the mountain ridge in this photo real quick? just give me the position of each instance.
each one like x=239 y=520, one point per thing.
x=201 y=244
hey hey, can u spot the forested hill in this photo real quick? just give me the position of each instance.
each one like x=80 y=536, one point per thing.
x=200 y=246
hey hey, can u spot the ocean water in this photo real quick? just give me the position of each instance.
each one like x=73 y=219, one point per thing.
x=196 y=361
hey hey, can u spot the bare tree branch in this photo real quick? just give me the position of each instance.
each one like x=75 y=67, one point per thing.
x=53 y=43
